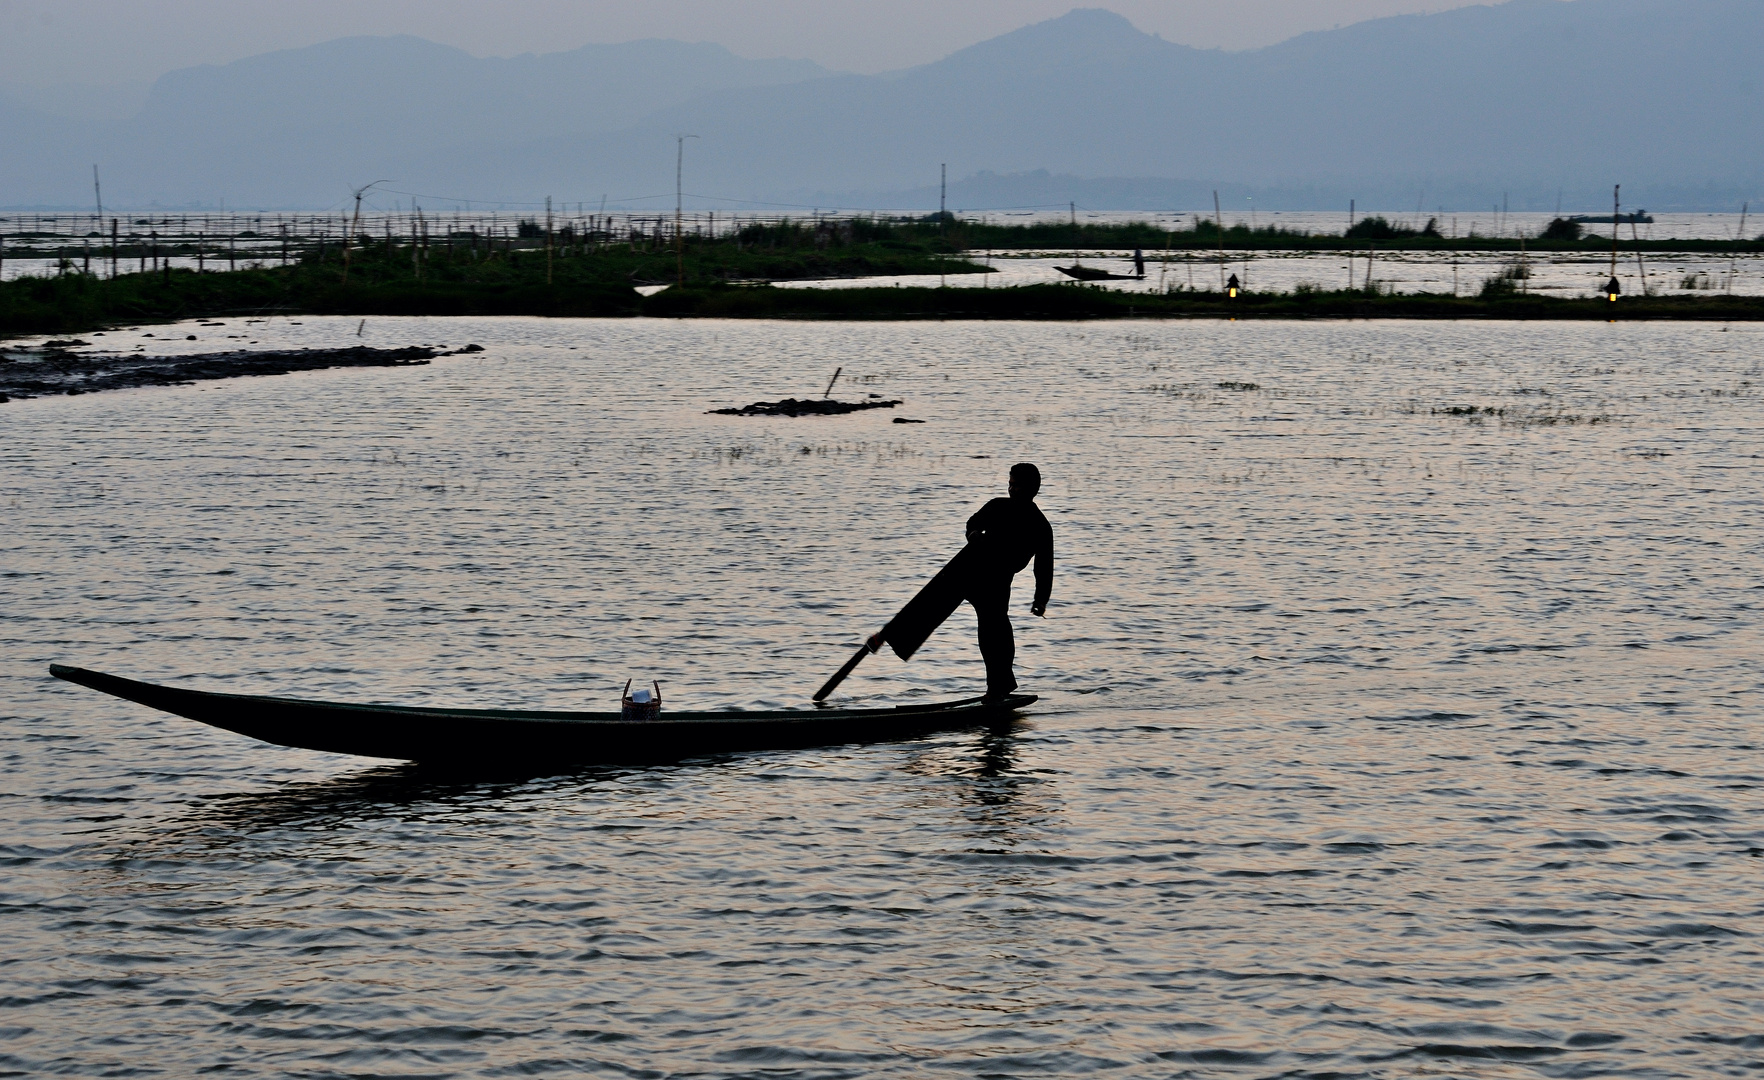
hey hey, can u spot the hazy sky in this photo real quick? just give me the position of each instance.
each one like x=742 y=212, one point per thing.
x=110 y=41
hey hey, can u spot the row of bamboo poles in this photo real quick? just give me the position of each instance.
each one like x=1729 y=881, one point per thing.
x=86 y=243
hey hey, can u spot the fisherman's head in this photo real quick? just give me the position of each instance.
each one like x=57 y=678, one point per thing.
x=1025 y=480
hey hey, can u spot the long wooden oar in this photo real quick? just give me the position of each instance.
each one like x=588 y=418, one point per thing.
x=839 y=676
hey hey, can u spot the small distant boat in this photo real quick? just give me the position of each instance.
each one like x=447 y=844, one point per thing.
x=1640 y=217
x=1086 y=273
x=1095 y=273
x=478 y=736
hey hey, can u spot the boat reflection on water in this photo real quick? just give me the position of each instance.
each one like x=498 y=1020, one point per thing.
x=454 y=793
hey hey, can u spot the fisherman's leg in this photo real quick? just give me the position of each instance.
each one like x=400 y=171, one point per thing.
x=925 y=612
x=997 y=645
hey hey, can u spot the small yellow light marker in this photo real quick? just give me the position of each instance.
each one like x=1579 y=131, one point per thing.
x=1613 y=288
x=1232 y=286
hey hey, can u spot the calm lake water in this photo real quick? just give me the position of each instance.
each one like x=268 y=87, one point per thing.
x=1380 y=736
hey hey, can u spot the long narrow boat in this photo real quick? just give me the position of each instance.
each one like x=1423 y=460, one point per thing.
x=1092 y=273
x=481 y=735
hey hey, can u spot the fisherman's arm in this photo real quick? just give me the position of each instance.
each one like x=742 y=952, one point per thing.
x=1043 y=572
x=983 y=519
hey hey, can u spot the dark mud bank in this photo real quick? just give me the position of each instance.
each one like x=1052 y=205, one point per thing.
x=54 y=368
x=803 y=407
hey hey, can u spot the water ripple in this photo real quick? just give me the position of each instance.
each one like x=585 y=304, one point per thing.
x=1414 y=741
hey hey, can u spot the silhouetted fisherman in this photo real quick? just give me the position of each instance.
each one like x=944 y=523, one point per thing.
x=1002 y=538
x=1139 y=262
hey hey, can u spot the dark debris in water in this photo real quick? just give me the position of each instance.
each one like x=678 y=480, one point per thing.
x=52 y=369
x=803 y=407
x=1476 y=414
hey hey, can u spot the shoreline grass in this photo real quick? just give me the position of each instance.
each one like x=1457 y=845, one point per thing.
x=1075 y=302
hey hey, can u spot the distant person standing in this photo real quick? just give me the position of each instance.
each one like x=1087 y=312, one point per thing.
x=1003 y=537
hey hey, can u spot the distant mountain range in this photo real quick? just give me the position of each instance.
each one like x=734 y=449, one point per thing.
x=1543 y=100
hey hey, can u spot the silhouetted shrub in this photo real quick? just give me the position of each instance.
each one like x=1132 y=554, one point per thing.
x=1377 y=228
x=1562 y=229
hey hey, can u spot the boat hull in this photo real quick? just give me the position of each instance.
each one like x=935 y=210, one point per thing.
x=471 y=736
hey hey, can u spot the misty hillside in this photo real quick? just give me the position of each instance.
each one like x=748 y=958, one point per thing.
x=298 y=126
x=1533 y=96
x=1534 y=93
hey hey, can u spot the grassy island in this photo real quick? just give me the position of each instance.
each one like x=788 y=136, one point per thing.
x=570 y=274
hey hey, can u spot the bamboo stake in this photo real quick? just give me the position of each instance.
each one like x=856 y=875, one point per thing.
x=1640 y=267
x=1219 y=224
x=349 y=232
x=1164 y=271
x=1732 y=260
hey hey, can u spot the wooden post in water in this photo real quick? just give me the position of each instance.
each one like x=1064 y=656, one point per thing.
x=1641 y=267
x=548 y=248
x=1219 y=224
x=200 y=238
x=1732 y=259
x=113 y=246
x=1164 y=271
x=353 y=227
